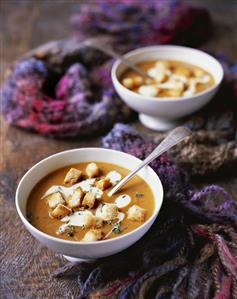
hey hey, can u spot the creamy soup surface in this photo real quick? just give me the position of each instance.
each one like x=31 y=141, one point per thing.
x=171 y=78
x=72 y=203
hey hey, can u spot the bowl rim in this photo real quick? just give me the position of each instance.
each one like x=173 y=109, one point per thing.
x=129 y=54
x=73 y=242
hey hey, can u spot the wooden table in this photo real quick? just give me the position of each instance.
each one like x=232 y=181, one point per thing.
x=26 y=265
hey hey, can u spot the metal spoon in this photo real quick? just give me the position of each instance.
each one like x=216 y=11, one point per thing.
x=100 y=44
x=174 y=137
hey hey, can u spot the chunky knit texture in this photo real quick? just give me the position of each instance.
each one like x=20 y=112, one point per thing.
x=79 y=107
x=132 y=23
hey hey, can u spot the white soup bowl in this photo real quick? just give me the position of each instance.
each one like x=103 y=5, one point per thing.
x=75 y=250
x=163 y=113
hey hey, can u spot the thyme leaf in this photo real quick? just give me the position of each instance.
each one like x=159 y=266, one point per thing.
x=117 y=228
x=71 y=231
x=138 y=194
x=109 y=222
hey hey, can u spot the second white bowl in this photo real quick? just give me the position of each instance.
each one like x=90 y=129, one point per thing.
x=163 y=113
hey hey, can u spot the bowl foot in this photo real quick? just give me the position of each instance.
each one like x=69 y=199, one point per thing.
x=77 y=259
x=157 y=123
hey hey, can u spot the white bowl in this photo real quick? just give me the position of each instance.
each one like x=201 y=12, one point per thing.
x=86 y=250
x=163 y=113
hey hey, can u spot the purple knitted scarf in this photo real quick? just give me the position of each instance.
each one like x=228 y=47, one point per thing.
x=135 y=23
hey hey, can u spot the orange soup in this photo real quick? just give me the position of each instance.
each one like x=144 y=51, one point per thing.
x=169 y=78
x=71 y=203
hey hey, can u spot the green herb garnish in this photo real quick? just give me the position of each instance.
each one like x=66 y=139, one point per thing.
x=101 y=206
x=109 y=222
x=117 y=228
x=138 y=194
x=71 y=231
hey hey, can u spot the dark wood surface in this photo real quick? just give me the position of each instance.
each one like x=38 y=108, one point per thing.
x=26 y=265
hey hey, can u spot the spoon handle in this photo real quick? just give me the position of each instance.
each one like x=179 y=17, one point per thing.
x=174 y=137
x=95 y=43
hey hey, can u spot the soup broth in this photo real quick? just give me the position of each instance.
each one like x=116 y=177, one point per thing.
x=171 y=78
x=112 y=216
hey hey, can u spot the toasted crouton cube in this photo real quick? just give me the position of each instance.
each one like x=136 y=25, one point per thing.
x=128 y=82
x=103 y=184
x=89 y=199
x=174 y=92
x=148 y=90
x=183 y=71
x=107 y=211
x=198 y=73
x=92 y=170
x=148 y=81
x=136 y=213
x=93 y=235
x=61 y=211
x=74 y=201
x=55 y=199
x=162 y=66
x=72 y=176
x=161 y=77
x=91 y=221
x=88 y=219
x=137 y=81
x=98 y=222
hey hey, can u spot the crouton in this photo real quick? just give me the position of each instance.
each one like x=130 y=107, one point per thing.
x=149 y=81
x=92 y=170
x=93 y=235
x=107 y=211
x=91 y=221
x=162 y=66
x=55 y=199
x=136 y=213
x=148 y=90
x=74 y=200
x=103 y=183
x=161 y=77
x=72 y=176
x=198 y=73
x=183 y=71
x=89 y=200
x=98 y=222
x=128 y=82
x=137 y=81
x=61 y=211
x=174 y=92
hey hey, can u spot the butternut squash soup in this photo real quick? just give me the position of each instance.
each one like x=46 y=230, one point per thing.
x=171 y=78
x=71 y=203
